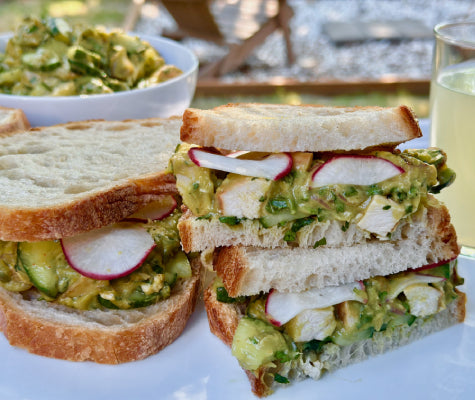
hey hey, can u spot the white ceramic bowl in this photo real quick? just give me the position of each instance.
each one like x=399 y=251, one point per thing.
x=163 y=100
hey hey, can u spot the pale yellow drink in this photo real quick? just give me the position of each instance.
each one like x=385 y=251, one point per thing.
x=453 y=130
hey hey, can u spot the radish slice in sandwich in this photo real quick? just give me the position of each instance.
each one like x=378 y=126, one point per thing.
x=155 y=211
x=354 y=170
x=273 y=167
x=110 y=252
x=282 y=307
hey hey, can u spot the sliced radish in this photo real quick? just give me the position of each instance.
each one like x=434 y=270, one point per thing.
x=155 y=211
x=398 y=285
x=434 y=265
x=354 y=170
x=282 y=307
x=110 y=252
x=273 y=167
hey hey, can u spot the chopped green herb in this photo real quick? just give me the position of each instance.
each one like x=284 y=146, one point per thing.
x=387 y=207
x=300 y=223
x=374 y=189
x=254 y=340
x=196 y=186
x=290 y=177
x=339 y=205
x=321 y=242
x=290 y=236
x=409 y=209
x=411 y=320
x=177 y=147
x=345 y=226
x=280 y=379
x=276 y=204
x=282 y=356
x=351 y=191
x=223 y=296
x=262 y=199
x=413 y=192
x=230 y=220
x=315 y=345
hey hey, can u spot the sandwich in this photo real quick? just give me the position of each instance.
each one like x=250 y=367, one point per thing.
x=328 y=242
x=91 y=267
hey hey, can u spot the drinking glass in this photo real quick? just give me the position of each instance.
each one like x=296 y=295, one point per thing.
x=452 y=99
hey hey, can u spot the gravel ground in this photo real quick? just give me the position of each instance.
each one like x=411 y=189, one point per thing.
x=318 y=58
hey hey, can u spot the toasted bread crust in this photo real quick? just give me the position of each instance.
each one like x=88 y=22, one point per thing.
x=12 y=120
x=223 y=320
x=50 y=335
x=276 y=128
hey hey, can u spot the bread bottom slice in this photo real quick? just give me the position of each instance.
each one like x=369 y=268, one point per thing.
x=224 y=318
x=103 y=336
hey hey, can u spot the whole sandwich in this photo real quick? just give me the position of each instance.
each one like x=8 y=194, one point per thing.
x=327 y=241
x=90 y=261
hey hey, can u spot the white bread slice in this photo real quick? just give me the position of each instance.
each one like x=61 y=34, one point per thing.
x=250 y=270
x=223 y=320
x=106 y=337
x=276 y=128
x=61 y=180
x=201 y=234
x=12 y=120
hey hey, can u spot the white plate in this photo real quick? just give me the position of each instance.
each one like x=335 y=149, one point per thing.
x=198 y=366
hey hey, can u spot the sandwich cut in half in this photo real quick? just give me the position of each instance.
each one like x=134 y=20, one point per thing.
x=328 y=242
x=90 y=261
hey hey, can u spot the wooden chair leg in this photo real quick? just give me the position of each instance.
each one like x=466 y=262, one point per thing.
x=284 y=16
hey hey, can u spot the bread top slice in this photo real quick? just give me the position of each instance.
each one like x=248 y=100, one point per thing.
x=12 y=120
x=62 y=180
x=277 y=128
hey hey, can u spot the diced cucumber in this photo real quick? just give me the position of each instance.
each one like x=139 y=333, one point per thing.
x=179 y=265
x=41 y=261
x=275 y=219
x=343 y=338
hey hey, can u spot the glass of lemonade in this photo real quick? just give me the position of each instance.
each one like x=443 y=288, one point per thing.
x=452 y=98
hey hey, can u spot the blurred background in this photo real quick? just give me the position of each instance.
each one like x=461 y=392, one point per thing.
x=340 y=52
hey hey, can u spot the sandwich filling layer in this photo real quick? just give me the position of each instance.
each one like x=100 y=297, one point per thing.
x=39 y=270
x=280 y=330
x=302 y=198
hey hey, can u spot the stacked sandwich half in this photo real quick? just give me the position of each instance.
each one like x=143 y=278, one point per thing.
x=327 y=241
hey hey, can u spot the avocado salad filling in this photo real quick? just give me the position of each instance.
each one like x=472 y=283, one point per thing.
x=294 y=200
x=49 y=57
x=382 y=305
x=27 y=266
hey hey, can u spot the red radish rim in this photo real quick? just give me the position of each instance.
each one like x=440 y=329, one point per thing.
x=355 y=156
x=193 y=150
x=286 y=171
x=102 y=277
x=434 y=265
